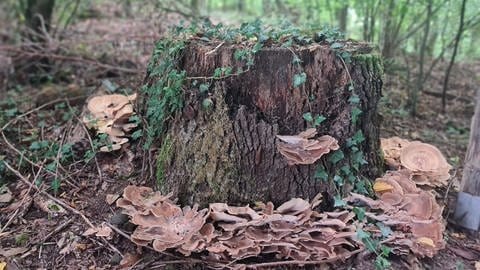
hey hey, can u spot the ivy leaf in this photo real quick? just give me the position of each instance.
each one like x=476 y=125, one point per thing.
x=11 y=112
x=355 y=113
x=385 y=251
x=55 y=185
x=346 y=57
x=299 y=79
x=338 y=202
x=137 y=134
x=367 y=240
x=321 y=174
x=336 y=45
x=35 y=146
x=338 y=179
x=354 y=99
x=361 y=234
x=203 y=87
x=336 y=156
x=382 y=263
x=358 y=160
x=384 y=229
x=358 y=137
x=52 y=166
x=318 y=120
x=240 y=54
x=359 y=212
x=217 y=73
x=308 y=117
x=227 y=71
x=296 y=60
x=360 y=186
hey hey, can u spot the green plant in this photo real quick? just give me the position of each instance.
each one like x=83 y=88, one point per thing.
x=163 y=157
x=373 y=245
x=21 y=239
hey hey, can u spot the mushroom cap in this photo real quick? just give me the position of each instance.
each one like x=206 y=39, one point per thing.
x=391 y=147
x=423 y=157
x=106 y=106
x=299 y=150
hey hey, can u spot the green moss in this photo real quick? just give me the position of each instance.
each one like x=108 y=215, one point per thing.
x=163 y=157
x=371 y=61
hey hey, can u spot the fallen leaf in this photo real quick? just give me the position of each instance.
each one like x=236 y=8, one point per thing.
x=10 y=252
x=104 y=231
x=90 y=231
x=3 y=265
x=6 y=196
x=111 y=198
x=129 y=260
x=49 y=206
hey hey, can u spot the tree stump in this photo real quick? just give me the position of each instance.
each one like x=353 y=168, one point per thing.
x=222 y=145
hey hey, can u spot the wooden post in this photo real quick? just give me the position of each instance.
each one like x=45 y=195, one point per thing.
x=467 y=212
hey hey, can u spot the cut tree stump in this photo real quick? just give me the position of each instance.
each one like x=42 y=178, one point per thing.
x=467 y=211
x=226 y=149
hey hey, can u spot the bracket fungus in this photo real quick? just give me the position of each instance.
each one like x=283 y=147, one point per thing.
x=301 y=149
x=294 y=230
x=424 y=161
x=110 y=114
x=413 y=213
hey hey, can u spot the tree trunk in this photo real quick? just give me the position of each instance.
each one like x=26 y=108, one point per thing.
x=342 y=15
x=38 y=15
x=467 y=212
x=454 y=54
x=418 y=88
x=228 y=152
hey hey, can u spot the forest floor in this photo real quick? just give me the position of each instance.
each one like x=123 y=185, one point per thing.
x=37 y=238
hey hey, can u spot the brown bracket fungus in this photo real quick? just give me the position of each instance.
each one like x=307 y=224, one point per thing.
x=426 y=164
x=291 y=231
x=300 y=149
x=109 y=114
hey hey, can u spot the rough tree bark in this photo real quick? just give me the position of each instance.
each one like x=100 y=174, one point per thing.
x=228 y=152
x=467 y=213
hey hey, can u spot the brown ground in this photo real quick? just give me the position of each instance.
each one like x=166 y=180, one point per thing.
x=43 y=240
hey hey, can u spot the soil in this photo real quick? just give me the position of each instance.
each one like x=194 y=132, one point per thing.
x=55 y=241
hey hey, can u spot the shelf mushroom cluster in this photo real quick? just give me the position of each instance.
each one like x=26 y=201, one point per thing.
x=303 y=149
x=291 y=231
x=426 y=164
x=413 y=214
x=110 y=114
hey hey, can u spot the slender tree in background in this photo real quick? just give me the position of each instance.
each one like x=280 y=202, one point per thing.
x=454 y=54
x=342 y=15
x=38 y=15
x=413 y=95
